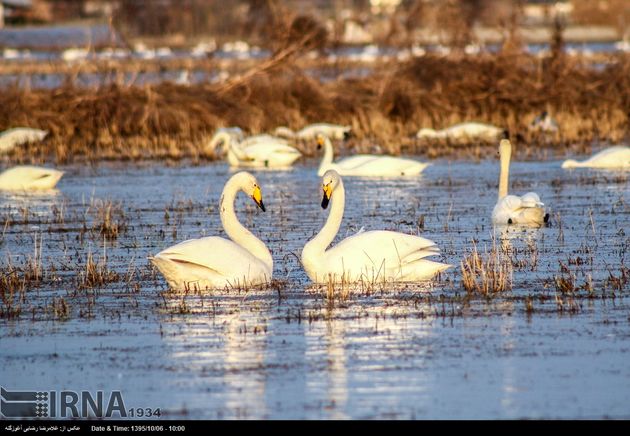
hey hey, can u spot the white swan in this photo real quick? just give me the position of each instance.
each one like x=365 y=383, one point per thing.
x=512 y=209
x=464 y=132
x=311 y=131
x=367 y=165
x=214 y=262
x=367 y=256
x=612 y=157
x=11 y=138
x=27 y=177
x=262 y=152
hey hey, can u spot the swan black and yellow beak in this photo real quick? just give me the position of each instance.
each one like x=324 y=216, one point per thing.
x=320 y=142
x=257 y=197
x=327 y=193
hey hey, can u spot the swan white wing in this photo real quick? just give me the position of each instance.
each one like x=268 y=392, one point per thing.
x=472 y=130
x=260 y=151
x=381 y=253
x=263 y=139
x=366 y=165
x=531 y=199
x=333 y=131
x=269 y=155
x=352 y=162
x=11 y=138
x=612 y=157
x=222 y=260
x=513 y=209
x=29 y=177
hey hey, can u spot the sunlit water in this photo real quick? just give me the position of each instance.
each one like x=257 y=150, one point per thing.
x=396 y=352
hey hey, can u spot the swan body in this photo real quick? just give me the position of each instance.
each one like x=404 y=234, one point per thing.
x=612 y=157
x=513 y=209
x=311 y=131
x=11 y=138
x=263 y=151
x=464 y=132
x=366 y=164
x=216 y=263
x=368 y=255
x=27 y=177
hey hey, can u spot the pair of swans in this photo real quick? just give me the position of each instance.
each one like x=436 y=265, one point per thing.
x=28 y=177
x=216 y=263
x=367 y=165
x=260 y=151
x=311 y=131
x=464 y=132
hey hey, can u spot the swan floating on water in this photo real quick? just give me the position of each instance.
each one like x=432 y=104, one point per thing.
x=333 y=131
x=366 y=256
x=28 y=177
x=514 y=209
x=367 y=165
x=464 y=132
x=612 y=157
x=11 y=138
x=262 y=151
x=214 y=262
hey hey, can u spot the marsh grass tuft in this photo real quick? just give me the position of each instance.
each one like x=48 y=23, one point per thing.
x=109 y=218
x=486 y=273
x=12 y=292
x=95 y=274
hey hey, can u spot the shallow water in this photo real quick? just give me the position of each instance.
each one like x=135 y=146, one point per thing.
x=389 y=352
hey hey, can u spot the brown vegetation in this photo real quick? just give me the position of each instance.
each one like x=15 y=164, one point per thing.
x=388 y=106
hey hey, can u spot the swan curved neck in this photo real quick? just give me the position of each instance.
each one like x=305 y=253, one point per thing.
x=505 y=173
x=327 y=160
x=235 y=230
x=571 y=163
x=218 y=138
x=324 y=238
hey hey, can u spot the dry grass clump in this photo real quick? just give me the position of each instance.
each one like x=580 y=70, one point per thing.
x=486 y=273
x=12 y=292
x=110 y=219
x=95 y=274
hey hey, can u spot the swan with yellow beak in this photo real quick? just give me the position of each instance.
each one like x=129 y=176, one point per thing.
x=218 y=263
x=377 y=255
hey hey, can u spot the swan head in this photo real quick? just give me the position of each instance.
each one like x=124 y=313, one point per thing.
x=570 y=163
x=250 y=186
x=330 y=181
x=505 y=148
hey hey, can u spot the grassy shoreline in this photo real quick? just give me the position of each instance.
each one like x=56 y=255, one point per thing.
x=385 y=108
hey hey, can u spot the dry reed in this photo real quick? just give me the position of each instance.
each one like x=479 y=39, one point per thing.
x=388 y=106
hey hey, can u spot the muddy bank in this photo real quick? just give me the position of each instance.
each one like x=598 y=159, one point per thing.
x=385 y=108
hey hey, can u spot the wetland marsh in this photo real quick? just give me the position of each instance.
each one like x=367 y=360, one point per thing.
x=83 y=309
